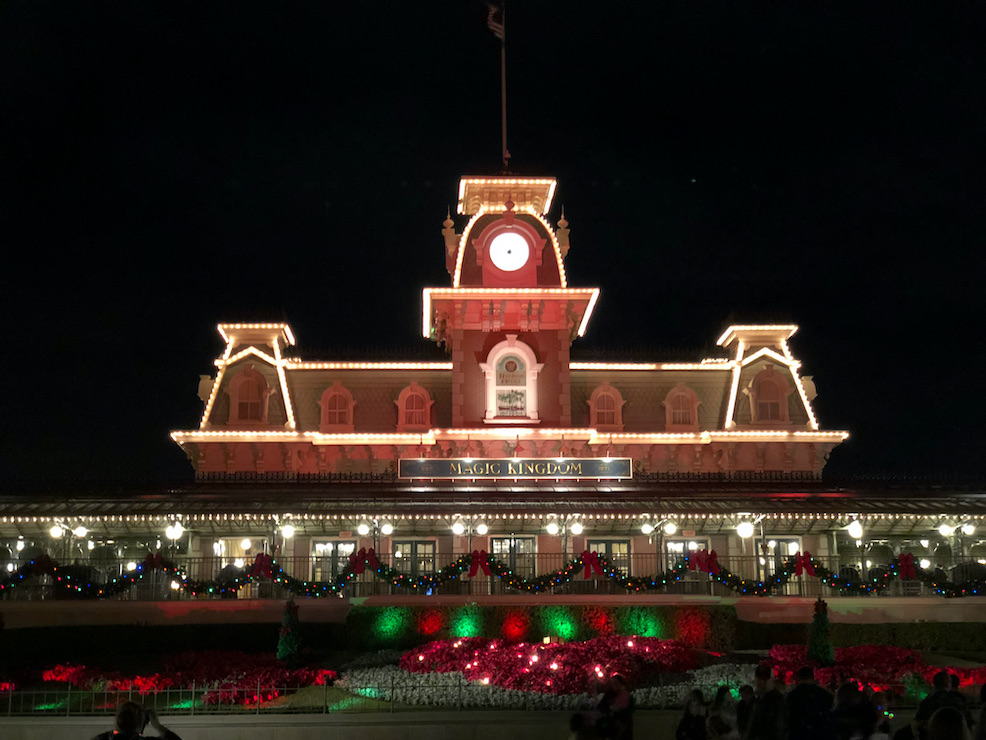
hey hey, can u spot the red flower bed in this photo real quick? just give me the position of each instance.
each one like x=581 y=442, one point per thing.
x=572 y=668
x=878 y=666
x=226 y=677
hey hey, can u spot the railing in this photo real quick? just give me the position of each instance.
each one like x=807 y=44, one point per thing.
x=392 y=692
x=159 y=585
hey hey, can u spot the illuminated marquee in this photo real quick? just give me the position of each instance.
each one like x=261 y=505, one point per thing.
x=527 y=468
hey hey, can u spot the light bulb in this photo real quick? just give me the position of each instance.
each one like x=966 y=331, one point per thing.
x=80 y=531
x=287 y=531
x=855 y=529
x=482 y=529
x=646 y=527
x=576 y=528
x=553 y=527
x=458 y=527
x=968 y=529
x=245 y=544
x=386 y=529
x=745 y=529
x=670 y=528
x=946 y=530
x=363 y=529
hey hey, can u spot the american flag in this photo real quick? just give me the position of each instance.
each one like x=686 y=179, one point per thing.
x=494 y=20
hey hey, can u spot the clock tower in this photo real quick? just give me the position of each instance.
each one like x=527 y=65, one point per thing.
x=509 y=318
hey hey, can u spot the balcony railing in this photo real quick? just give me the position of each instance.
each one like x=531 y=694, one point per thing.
x=222 y=579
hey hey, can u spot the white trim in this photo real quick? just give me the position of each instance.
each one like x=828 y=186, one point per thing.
x=533 y=367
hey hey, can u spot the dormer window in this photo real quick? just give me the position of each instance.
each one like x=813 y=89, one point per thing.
x=337 y=410
x=681 y=409
x=768 y=397
x=248 y=395
x=414 y=409
x=511 y=383
x=606 y=409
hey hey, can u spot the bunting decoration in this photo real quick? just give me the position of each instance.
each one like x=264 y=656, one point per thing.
x=79 y=581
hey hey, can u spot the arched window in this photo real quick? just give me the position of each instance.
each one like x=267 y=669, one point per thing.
x=768 y=394
x=681 y=409
x=248 y=395
x=414 y=409
x=337 y=409
x=606 y=409
x=511 y=370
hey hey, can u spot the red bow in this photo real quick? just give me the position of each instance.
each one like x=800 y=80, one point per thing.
x=705 y=561
x=905 y=566
x=359 y=560
x=591 y=562
x=154 y=561
x=480 y=561
x=262 y=566
x=803 y=564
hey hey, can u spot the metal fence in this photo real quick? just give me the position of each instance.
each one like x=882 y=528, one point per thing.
x=158 y=585
x=391 y=694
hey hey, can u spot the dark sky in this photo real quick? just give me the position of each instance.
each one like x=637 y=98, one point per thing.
x=167 y=166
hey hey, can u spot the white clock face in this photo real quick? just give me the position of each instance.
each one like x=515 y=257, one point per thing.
x=509 y=251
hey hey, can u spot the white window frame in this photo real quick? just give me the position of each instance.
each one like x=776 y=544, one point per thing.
x=512 y=346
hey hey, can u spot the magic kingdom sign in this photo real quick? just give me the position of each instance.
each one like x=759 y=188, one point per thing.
x=587 y=468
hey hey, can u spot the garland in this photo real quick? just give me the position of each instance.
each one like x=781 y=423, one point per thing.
x=74 y=581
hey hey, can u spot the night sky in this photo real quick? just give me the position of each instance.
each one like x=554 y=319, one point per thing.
x=167 y=166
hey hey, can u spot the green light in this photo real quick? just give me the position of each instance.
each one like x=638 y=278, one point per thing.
x=50 y=707
x=393 y=622
x=187 y=704
x=353 y=701
x=638 y=620
x=467 y=621
x=559 y=620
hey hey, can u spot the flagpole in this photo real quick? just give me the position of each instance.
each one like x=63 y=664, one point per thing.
x=503 y=96
x=496 y=22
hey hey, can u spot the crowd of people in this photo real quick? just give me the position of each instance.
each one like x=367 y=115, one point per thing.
x=767 y=710
x=807 y=711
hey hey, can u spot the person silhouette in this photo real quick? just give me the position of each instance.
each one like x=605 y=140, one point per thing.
x=131 y=720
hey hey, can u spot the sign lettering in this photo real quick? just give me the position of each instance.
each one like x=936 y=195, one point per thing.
x=528 y=468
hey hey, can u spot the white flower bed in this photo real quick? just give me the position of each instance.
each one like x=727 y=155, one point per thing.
x=707 y=680
x=390 y=683
x=449 y=690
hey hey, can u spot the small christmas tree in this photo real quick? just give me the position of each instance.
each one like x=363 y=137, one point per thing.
x=820 y=647
x=289 y=642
